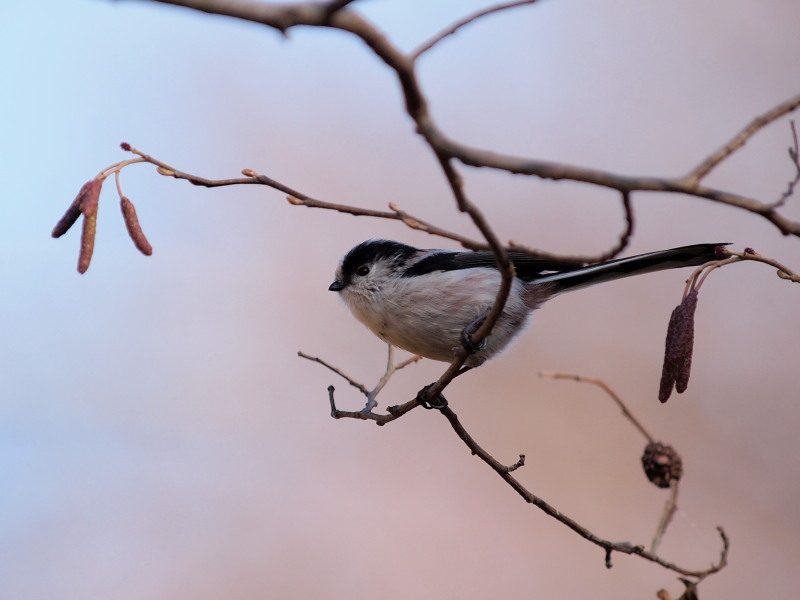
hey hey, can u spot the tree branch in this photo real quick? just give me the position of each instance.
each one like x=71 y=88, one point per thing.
x=609 y=547
x=284 y=16
x=464 y=22
x=741 y=138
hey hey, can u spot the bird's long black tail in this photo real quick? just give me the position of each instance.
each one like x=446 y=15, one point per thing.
x=685 y=256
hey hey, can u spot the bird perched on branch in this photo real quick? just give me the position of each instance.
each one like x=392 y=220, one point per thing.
x=428 y=302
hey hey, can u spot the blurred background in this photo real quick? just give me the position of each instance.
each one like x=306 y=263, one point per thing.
x=159 y=436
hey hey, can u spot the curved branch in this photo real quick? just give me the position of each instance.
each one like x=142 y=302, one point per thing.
x=464 y=22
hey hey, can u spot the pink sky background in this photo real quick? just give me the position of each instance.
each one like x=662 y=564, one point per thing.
x=159 y=437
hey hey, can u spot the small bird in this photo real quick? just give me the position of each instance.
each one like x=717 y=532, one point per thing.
x=428 y=301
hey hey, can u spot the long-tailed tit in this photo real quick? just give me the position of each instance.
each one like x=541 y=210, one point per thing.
x=424 y=300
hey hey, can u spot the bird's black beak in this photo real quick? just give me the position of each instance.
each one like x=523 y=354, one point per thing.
x=336 y=286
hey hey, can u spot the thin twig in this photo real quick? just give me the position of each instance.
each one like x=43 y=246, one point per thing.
x=391 y=369
x=366 y=413
x=607 y=389
x=463 y=22
x=359 y=386
x=578 y=260
x=699 y=275
x=670 y=507
x=740 y=139
x=794 y=156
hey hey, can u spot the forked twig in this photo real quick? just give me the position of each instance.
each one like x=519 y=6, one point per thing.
x=367 y=413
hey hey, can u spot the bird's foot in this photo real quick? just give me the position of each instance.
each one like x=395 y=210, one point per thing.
x=468 y=331
x=430 y=403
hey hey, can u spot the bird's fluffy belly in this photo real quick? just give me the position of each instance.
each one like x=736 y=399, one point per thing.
x=426 y=314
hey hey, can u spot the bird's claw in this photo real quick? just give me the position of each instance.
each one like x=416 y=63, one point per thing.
x=430 y=403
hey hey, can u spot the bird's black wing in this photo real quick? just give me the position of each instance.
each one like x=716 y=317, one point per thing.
x=527 y=267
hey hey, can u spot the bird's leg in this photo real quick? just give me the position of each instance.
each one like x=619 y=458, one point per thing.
x=468 y=331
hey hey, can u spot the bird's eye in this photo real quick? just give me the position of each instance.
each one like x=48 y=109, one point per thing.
x=362 y=270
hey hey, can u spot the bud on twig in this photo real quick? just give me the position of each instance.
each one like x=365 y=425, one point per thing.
x=134 y=229
x=679 y=346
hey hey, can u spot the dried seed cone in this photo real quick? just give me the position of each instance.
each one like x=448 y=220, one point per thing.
x=134 y=229
x=662 y=464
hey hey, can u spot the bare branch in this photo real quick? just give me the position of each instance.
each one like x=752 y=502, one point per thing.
x=607 y=389
x=337 y=5
x=609 y=547
x=670 y=507
x=359 y=386
x=466 y=21
x=700 y=274
x=622 y=242
x=367 y=413
x=740 y=139
x=563 y=172
x=284 y=16
x=794 y=156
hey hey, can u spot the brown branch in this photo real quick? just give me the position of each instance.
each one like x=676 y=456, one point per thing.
x=794 y=156
x=609 y=547
x=359 y=386
x=336 y=5
x=700 y=274
x=367 y=413
x=670 y=507
x=284 y=16
x=578 y=259
x=466 y=21
x=741 y=138
x=504 y=265
x=563 y=172
x=420 y=225
x=607 y=389
x=504 y=471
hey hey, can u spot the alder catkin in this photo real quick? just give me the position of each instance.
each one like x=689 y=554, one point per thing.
x=87 y=241
x=90 y=189
x=134 y=229
x=678 y=348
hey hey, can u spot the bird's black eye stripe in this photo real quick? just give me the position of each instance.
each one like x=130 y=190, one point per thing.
x=362 y=270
